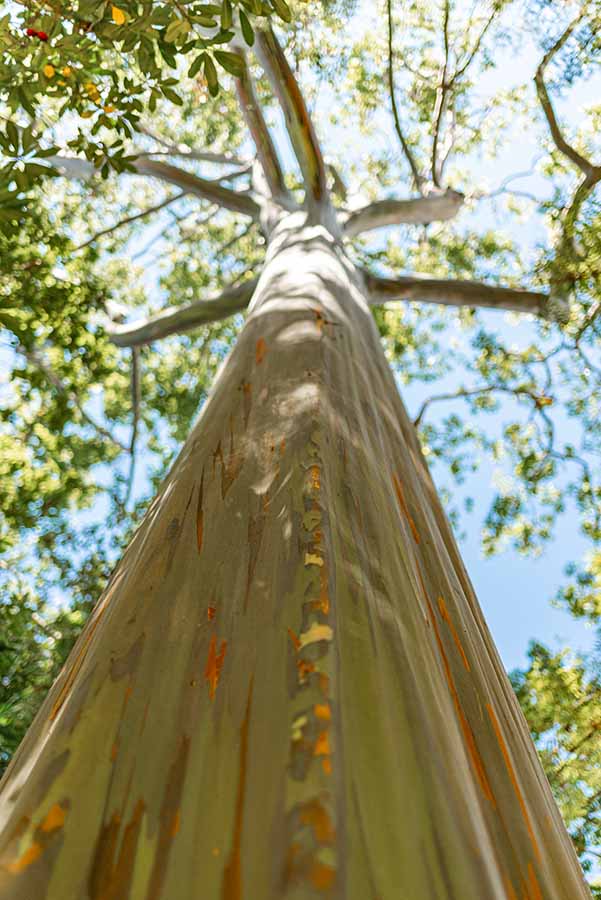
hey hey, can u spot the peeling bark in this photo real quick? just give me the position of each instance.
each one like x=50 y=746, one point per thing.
x=288 y=691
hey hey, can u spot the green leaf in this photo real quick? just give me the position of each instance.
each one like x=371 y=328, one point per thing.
x=196 y=65
x=282 y=9
x=226 y=15
x=231 y=62
x=211 y=76
x=247 y=30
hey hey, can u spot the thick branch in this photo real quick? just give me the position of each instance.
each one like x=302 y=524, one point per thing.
x=179 y=320
x=417 y=177
x=255 y=121
x=415 y=211
x=300 y=127
x=455 y=292
x=586 y=167
x=74 y=167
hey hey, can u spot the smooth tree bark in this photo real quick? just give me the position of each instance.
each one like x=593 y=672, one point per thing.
x=288 y=690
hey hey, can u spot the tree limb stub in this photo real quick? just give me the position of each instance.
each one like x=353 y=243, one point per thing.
x=413 y=211
x=456 y=292
x=186 y=318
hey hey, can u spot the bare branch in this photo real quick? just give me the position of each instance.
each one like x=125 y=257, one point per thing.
x=74 y=167
x=456 y=292
x=196 y=155
x=417 y=177
x=439 y=207
x=255 y=121
x=178 y=320
x=136 y=396
x=462 y=393
x=442 y=94
x=36 y=359
x=585 y=166
x=300 y=127
x=129 y=220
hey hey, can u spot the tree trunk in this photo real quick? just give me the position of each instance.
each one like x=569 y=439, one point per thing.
x=288 y=689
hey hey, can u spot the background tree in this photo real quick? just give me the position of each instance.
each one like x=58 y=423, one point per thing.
x=82 y=409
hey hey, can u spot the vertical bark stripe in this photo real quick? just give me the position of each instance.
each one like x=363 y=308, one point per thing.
x=512 y=775
x=231 y=888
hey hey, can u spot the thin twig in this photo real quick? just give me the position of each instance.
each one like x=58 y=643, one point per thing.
x=130 y=219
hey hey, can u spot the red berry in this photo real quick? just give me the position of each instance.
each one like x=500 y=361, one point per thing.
x=30 y=32
x=42 y=35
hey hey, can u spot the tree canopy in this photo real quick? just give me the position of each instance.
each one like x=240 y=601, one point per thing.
x=129 y=196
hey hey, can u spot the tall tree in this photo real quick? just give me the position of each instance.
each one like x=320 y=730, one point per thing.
x=287 y=688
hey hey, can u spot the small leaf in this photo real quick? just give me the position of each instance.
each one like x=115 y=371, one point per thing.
x=282 y=9
x=231 y=62
x=247 y=31
x=195 y=67
x=226 y=15
x=211 y=76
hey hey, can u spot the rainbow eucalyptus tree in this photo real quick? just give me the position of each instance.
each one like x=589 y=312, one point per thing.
x=287 y=689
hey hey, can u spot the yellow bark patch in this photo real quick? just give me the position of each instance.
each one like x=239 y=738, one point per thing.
x=316 y=633
x=260 y=351
x=312 y=559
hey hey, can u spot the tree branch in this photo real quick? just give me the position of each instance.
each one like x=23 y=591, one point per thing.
x=442 y=93
x=417 y=177
x=585 y=166
x=462 y=393
x=196 y=155
x=178 y=320
x=455 y=292
x=255 y=121
x=300 y=127
x=74 y=167
x=415 y=211
x=136 y=395
x=35 y=359
x=129 y=220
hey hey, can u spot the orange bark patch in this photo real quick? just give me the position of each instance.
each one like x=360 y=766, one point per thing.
x=211 y=613
x=511 y=894
x=200 y=513
x=513 y=777
x=322 y=876
x=175 y=824
x=295 y=641
x=323 y=711
x=33 y=852
x=535 y=891
x=398 y=489
x=231 y=887
x=322 y=745
x=260 y=351
x=315 y=476
x=316 y=816
x=214 y=665
x=55 y=818
x=444 y=612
